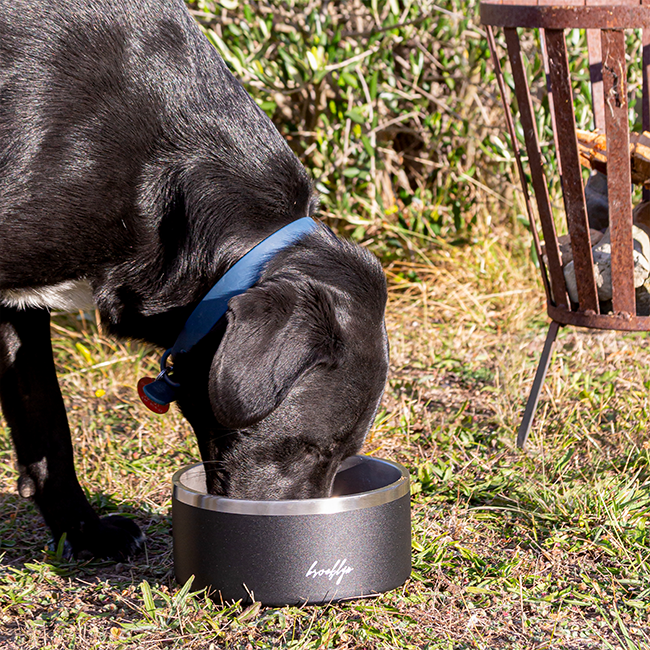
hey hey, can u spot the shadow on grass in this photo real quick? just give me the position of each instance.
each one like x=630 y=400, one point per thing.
x=25 y=543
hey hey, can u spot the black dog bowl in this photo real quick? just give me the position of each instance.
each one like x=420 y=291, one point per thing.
x=354 y=544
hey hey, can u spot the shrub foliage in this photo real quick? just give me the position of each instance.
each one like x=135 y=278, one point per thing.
x=390 y=104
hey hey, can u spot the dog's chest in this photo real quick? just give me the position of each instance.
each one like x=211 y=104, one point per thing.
x=72 y=295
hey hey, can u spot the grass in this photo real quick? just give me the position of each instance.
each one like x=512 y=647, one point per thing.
x=543 y=549
x=547 y=548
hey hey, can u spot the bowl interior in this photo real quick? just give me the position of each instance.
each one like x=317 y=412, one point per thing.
x=357 y=474
x=363 y=474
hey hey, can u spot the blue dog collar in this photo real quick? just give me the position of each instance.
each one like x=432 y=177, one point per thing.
x=238 y=279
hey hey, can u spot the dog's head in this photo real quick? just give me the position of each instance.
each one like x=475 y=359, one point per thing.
x=295 y=382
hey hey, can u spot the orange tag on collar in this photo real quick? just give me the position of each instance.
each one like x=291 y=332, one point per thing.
x=148 y=402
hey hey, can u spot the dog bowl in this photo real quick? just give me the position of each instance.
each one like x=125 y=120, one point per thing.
x=351 y=545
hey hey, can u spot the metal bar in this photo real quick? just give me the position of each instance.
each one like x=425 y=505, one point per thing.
x=615 y=16
x=645 y=98
x=536 y=168
x=538 y=382
x=549 y=94
x=522 y=177
x=645 y=73
x=572 y=188
x=619 y=176
x=596 y=76
x=610 y=321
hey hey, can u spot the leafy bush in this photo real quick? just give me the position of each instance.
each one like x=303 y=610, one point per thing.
x=390 y=104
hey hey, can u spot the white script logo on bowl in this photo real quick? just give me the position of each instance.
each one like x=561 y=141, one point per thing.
x=339 y=569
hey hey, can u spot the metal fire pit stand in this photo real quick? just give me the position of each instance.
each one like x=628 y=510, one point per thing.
x=608 y=74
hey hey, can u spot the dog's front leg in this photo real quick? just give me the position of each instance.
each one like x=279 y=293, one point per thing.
x=33 y=407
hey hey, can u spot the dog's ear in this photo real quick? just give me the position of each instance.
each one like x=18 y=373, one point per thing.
x=276 y=332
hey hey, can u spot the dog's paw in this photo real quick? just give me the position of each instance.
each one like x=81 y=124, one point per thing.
x=67 y=552
x=112 y=537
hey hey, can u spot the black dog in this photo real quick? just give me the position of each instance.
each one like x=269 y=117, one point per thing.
x=134 y=172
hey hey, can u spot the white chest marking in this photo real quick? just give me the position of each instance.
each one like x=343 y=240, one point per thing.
x=71 y=295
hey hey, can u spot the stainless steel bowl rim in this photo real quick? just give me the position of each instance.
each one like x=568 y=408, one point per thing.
x=369 y=499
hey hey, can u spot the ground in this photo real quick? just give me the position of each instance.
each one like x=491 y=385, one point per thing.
x=542 y=548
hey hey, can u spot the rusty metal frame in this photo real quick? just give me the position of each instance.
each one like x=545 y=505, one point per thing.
x=564 y=16
x=607 y=67
x=619 y=176
x=645 y=98
x=572 y=188
x=538 y=178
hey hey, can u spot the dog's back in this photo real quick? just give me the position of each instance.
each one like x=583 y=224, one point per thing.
x=127 y=146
